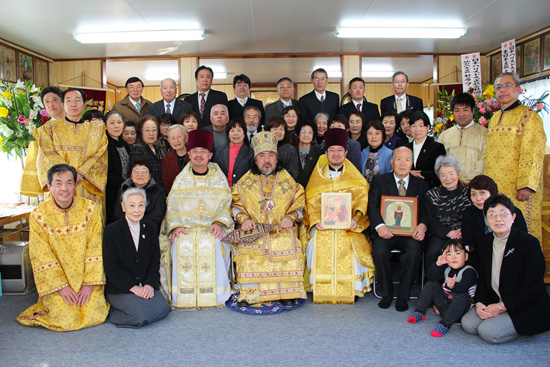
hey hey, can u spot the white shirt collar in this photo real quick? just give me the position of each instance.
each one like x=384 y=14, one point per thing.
x=134 y=102
x=172 y=105
x=467 y=126
x=205 y=96
x=403 y=97
x=406 y=179
x=286 y=104
x=320 y=95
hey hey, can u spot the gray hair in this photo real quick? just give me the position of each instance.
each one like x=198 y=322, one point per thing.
x=173 y=81
x=446 y=161
x=399 y=73
x=177 y=126
x=509 y=73
x=253 y=108
x=133 y=191
x=219 y=104
x=323 y=115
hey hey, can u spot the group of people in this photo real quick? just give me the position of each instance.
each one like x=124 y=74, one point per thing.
x=204 y=167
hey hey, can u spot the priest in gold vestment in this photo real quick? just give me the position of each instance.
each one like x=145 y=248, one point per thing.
x=271 y=268
x=66 y=257
x=81 y=144
x=515 y=152
x=195 y=261
x=339 y=260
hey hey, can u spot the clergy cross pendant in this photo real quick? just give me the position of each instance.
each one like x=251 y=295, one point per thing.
x=262 y=204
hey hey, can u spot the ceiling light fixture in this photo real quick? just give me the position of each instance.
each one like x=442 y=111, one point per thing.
x=140 y=36
x=377 y=74
x=376 y=32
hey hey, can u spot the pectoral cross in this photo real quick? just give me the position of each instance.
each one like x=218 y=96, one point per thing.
x=263 y=204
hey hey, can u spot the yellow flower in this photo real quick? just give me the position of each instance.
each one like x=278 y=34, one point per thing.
x=437 y=127
x=1 y=142
x=489 y=91
x=21 y=91
x=7 y=95
x=451 y=118
x=3 y=111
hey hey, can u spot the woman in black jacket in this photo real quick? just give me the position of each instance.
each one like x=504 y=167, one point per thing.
x=236 y=158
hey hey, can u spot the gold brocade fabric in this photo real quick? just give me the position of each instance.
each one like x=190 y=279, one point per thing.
x=65 y=250
x=195 y=202
x=468 y=147
x=515 y=153
x=333 y=272
x=83 y=146
x=272 y=268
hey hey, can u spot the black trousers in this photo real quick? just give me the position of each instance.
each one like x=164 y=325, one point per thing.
x=451 y=310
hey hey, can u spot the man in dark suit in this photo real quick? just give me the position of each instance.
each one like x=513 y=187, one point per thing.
x=401 y=101
x=205 y=97
x=397 y=183
x=285 y=90
x=319 y=99
x=354 y=147
x=359 y=102
x=252 y=116
x=169 y=103
x=241 y=86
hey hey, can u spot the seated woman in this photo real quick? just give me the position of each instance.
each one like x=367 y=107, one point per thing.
x=389 y=120
x=474 y=226
x=444 y=207
x=290 y=115
x=425 y=149
x=140 y=177
x=286 y=153
x=308 y=153
x=165 y=121
x=321 y=121
x=176 y=159
x=511 y=298
x=131 y=259
x=118 y=162
x=190 y=121
x=129 y=135
x=146 y=150
x=376 y=157
x=235 y=159
x=358 y=128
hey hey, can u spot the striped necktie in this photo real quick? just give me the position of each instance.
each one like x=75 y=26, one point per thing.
x=203 y=102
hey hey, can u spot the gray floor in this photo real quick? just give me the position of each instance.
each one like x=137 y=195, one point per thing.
x=313 y=335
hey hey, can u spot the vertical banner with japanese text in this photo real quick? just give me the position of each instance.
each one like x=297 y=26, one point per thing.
x=509 y=56
x=471 y=72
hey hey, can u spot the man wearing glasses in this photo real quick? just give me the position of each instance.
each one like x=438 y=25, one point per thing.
x=133 y=106
x=515 y=151
x=319 y=99
x=285 y=90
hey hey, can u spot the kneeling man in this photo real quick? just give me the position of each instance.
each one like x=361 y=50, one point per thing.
x=66 y=258
x=338 y=260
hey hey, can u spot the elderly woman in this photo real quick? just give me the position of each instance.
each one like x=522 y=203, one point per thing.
x=389 y=120
x=146 y=150
x=235 y=159
x=129 y=134
x=444 y=206
x=165 y=121
x=358 y=128
x=176 y=159
x=308 y=152
x=425 y=149
x=474 y=226
x=290 y=115
x=118 y=161
x=140 y=177
x=191 y=121
x=131 y=259
x=376 y=157
x=286 y=153
x=321 y=121
x=511 y=298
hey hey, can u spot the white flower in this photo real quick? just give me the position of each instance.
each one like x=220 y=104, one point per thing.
x=33 y=89
x=19 y=84
x=33 y=114
x=5 y=131
x=31 y=128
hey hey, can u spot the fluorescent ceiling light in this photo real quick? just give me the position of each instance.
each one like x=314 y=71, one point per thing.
x=140 y=36
x=371 y=32
x=220 y=74
x=161 y=76
x=377 y=74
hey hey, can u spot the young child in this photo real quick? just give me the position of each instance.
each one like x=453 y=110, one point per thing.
x=451 y=286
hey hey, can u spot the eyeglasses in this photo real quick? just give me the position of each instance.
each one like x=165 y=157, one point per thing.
x=336 y=150
x=306 y=131
x=285 y=87
x=142 y=171
x=501 y=215
x=150 y=131
x=320 y=79
x=504 y=86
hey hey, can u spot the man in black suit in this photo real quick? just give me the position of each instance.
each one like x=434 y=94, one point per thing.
x=205 y=97
x=241 y=86
x=401 y=101
x=285 y=90
x=252 y=116
x=319 y=99
x=169 y=103
x=398 y=183
x=359 y=102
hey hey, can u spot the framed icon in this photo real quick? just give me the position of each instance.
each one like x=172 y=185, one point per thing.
x=26 y=67
x=41 y=73
x=336 y=210
x=8 y=66
x=400 y=214
x=531 y=57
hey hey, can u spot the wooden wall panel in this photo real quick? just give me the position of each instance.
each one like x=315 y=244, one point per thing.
x=72 y=72
x=450 y=69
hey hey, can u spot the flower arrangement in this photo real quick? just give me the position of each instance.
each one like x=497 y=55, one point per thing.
x=21 y=113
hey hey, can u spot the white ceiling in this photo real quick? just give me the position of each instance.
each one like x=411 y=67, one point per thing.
x=261 y=26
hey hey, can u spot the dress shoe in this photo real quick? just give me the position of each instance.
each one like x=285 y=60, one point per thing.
x=401 y=305
x=385 y=302
x=286 y=302
x=244 y=304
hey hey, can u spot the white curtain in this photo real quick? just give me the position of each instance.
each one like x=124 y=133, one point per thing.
x=534 y=90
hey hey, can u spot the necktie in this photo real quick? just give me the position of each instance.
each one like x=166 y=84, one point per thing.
x=322 y=99
x=138 y=107
x=168 y=108
x=203 y=102
x=359 y=107
x=401 y=188
x=399 y=105
x=250 y=137
x=242 y=102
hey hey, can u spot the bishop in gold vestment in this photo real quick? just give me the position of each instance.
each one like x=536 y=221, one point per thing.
x=271 y=268
x=65 y=251
x=339 y=260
